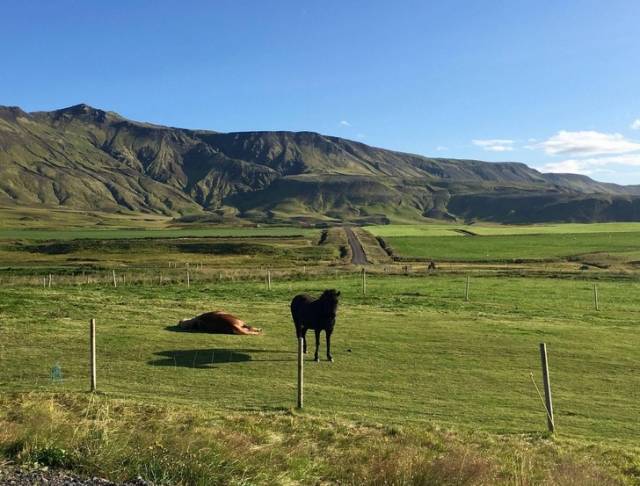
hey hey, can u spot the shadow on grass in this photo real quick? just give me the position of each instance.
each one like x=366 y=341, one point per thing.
x=177 y=328
x=207 y=358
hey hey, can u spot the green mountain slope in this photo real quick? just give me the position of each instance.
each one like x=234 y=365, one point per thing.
x=89 y=159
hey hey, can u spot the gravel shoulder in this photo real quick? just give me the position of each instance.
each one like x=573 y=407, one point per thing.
x=13 y=475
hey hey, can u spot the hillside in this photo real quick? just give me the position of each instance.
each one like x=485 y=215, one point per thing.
x=89 y=159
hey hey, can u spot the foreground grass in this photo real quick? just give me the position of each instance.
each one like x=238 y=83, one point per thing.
x=122 y=439
x=411 y=351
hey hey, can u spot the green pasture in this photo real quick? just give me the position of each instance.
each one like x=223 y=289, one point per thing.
x=411 y=351
x=516 y=247
x=484 y=229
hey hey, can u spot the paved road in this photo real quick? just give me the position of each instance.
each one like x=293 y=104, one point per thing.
x=357 y=252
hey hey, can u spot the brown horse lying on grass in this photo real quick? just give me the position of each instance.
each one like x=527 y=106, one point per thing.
x=218 y=322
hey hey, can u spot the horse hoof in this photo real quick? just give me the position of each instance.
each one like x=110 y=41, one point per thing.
x=330 y=359
x=316 y=359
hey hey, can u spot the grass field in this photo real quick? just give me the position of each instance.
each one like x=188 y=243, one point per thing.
x=603 y=243
x=516 y=247
x=483 y=229
x=426 y=388
x=418 y=352
x=411 y=353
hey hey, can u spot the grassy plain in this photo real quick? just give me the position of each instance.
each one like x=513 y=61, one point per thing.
x=410 y=354
x=517 y=247
x=418 y=351
x=452 y=229
x=426 y=388
x=594 y=243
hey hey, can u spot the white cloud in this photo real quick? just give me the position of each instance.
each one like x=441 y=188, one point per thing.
x=345 y=123
x=590 y=165
x=495 y=145
x=361 y=135
x=441 y=148
x=587 y=143
x=572 y=166
x=636 y=124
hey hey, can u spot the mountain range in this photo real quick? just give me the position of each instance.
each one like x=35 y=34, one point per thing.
x=89 y=159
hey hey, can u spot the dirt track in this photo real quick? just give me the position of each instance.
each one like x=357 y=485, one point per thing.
x=357 y=252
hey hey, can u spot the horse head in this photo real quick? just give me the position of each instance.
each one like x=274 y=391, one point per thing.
x=329 y=298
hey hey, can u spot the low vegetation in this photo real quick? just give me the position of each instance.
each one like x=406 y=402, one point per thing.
x=121 y=439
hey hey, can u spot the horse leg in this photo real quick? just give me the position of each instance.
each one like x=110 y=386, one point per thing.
x=304 y=340
x=301 y=332
x=316 y=357
x=329 y=357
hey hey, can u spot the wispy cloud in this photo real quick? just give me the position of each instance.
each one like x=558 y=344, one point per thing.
x=588 y=152
x=345 y=123
x=495 y=145
x=441 y=148
x=571 y=166
x=636 y=124
x=587 y=143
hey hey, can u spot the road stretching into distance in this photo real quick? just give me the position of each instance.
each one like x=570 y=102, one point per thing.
x=358 y=257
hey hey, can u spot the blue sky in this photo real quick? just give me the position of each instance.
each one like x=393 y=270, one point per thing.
x=554 y=84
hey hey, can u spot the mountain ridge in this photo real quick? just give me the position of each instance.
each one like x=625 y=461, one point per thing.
x=82 y=157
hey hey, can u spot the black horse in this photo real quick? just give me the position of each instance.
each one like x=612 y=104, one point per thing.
x=317 y=314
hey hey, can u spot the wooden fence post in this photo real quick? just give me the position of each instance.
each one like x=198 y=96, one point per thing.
x=188 y=279
x=595 y=296
x=115 y=283
x=466 y=290
x=269 y=279
x=300 y=372
x=547 y=387
x=92 y=353
x=364 y=281
x=49 y=280
x=44 y=282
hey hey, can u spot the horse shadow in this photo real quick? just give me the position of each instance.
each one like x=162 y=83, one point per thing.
x=208 y=358
x=176 y=328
